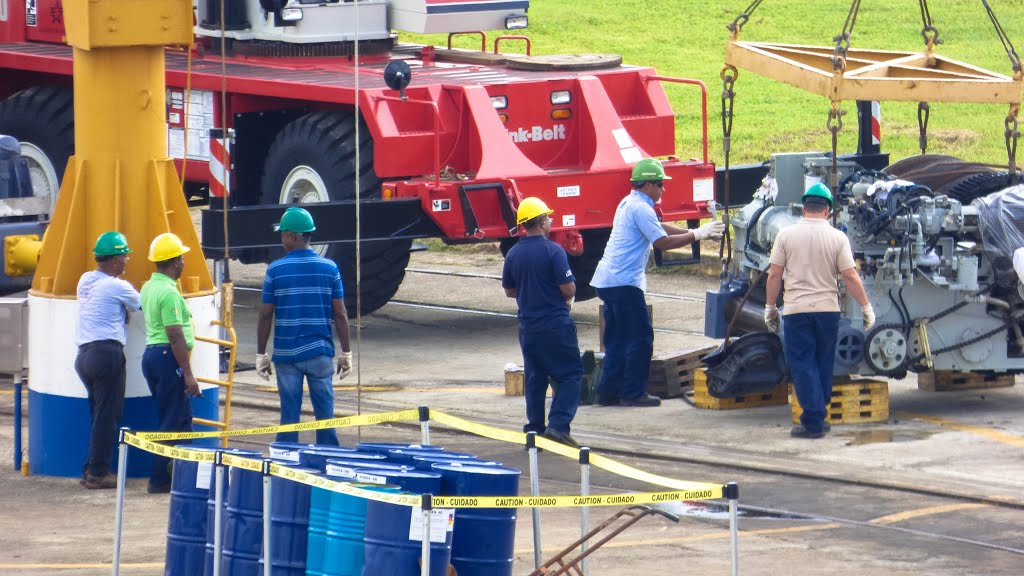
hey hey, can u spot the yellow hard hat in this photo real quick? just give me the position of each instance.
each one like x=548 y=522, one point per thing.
x=530 y=208
x=165 y=247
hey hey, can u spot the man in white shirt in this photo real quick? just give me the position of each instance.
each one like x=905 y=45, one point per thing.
x=104 y=304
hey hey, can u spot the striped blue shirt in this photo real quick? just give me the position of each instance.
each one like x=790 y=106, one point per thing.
x=301 y=286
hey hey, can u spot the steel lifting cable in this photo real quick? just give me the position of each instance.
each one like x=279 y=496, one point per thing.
x=835 y=125
x=923 y=113
x=359 y=235
x=728 y=74
x=843 y=39
x=929 y=32
x=225 y=166
x=740 y=20
x=1012 y=133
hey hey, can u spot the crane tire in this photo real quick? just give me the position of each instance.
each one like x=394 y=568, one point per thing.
x=312 y=159
x=42 y=118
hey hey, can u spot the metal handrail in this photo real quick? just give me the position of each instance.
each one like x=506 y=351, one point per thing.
x=232 y=345
x=513 y=37
x=703 y=102
x=483 y=39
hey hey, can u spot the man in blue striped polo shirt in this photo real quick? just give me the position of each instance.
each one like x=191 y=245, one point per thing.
x=302 y=294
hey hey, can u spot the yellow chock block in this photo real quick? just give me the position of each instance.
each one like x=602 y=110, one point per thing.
x=514 y=382
x=853 y=402
x=703 y=399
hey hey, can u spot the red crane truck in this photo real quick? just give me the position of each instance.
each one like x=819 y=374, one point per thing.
x=448 y=144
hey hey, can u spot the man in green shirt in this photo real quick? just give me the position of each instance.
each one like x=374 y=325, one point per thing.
x=169 y=338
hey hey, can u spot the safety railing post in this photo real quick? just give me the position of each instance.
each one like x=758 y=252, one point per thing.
x=122 y=476
x=427 y=505
x=218 y=512
x=531 y=445
x=732 y=492
x=267 y=519
x=584 y=510
x=424 y=425
x=17 y=422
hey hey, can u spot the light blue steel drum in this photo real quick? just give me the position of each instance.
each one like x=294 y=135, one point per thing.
x=211 y=507
x=289 y=524
x=427 y=462
x=406 y=455
x=383 y=447
x=415 y=481
x=484 y=538
x=186 y=520
x=336 y=526
x=390 y=551
x=316 y=456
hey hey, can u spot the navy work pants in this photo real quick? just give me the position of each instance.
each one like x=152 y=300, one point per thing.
x=628 y=345
x=101 y=367
x=174 y=410
x=551 y=354
x=809 y=340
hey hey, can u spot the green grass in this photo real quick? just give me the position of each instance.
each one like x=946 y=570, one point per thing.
x=687 y=38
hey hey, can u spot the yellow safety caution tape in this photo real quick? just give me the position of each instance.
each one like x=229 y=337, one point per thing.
x=347 y=421
x=682 y=490
x=562 y=450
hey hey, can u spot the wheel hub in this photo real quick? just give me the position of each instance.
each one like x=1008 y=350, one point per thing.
x=45 y=183
x=303 y=185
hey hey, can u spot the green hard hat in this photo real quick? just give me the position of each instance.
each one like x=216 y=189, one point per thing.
x=295 y=219
x=648 y=169
x=111 y=244
x=819 y=190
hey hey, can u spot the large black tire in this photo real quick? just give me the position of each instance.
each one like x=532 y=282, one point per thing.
x=322 y=145
x=584 y=265
x=43 y=120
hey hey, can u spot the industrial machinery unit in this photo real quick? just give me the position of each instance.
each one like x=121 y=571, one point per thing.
x=934 y=237
x=296 y=107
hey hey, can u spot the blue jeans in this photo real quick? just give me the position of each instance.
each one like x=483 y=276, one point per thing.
x=628 y=345
x=809 y=341
x=317 y=372
x=174 y=409
x=551 y=354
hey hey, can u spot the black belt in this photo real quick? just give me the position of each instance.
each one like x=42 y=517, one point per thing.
x=96 y=343
x=148 y=346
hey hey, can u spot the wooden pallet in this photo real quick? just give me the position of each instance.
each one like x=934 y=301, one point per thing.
x=949 y=380
x=674 y=371
x=703 y=399
x=853 y=402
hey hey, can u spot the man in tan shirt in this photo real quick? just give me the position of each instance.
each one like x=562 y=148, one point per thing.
x=809 y=256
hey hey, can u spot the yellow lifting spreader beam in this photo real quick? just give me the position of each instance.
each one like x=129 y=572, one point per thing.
x=882 y=75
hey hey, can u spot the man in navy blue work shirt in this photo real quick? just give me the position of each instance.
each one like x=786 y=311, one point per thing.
x=302 y=293
x=105 y=303
x=621 y=280
x=537 y=275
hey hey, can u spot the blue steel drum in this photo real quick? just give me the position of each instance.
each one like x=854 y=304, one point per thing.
x=186 y=521
x=415 y=481
x=484 y=538
x=427 y=462
x=211 y=507
x=389 y=549
x=346 y=468
x=319 y=514
x=316 y=457
x=243 y=524
x=383 y=447
x=289 y=524
x=406 y=455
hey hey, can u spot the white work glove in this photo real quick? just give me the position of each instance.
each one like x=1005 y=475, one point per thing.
x=713 y=229
x=343 y=364
x=263 y=369
x=869 y=316
x=570 y=302
x=771 y=318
